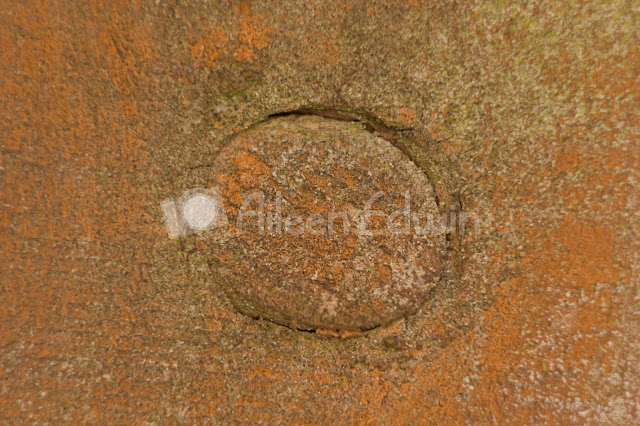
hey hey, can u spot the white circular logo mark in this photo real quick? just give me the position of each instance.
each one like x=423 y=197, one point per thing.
x=199 y=211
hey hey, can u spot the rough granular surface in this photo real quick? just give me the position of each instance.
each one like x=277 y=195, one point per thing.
x=330 y=226
x=525 y=114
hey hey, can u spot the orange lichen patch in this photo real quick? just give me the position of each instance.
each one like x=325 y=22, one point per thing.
x=585 y=253
x=346 y=176
x=125 y=44
x=245 y=8
x=611 y=174
x=410 y=4
x=122 y=57
x=534 y=336
x=523 y=315
x=209 y=47
x=568 y=160
x=384 y=272
x=232 y=191
x=253 y=35
x=250 y=164
x=434 y=132
x=328 y=49
x=451 y=147
x=317 y=180
x=250 y=36
x=406 y=115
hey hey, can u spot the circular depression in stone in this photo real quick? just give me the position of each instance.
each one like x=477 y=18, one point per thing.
x=330 y=226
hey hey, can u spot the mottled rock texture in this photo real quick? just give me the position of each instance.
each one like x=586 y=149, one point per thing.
x=525 y=113
x=330 y=227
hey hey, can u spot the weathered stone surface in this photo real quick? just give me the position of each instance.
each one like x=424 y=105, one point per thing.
x=525 y=113
x=330 y=226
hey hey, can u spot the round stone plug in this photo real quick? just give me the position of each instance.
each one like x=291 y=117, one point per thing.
x=330 y=227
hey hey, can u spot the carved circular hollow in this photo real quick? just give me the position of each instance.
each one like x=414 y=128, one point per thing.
x=302 y=249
